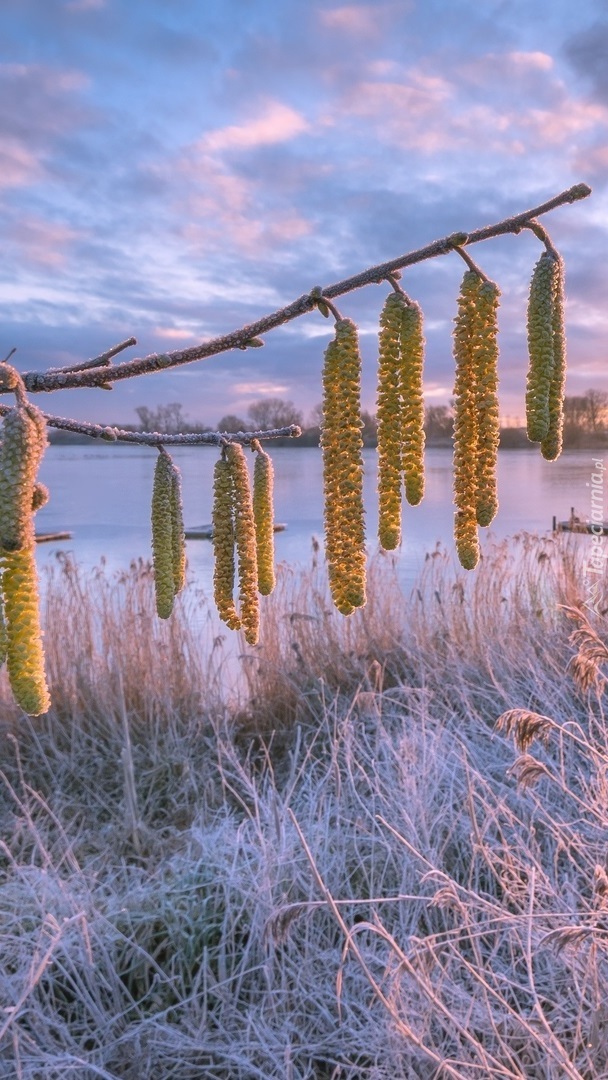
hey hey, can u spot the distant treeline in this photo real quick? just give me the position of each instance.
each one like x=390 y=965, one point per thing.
x=585 y=423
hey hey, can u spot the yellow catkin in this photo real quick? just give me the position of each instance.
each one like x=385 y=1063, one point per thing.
x=244 y=530
x=465 y=423
x=263 y=513
x=541 y=331
x=486 y=397
x=25 y=657
x=162 y=535
x=412 y=361
x=343 y=469
x=22 y=447
x=178 y=540
x=223 y=544
x=388 y=413
x=551 y=445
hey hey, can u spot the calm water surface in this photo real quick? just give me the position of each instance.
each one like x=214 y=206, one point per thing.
x=102 y=493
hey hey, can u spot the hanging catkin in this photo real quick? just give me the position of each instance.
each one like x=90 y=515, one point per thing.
x=551 y=445
x=465 y=422
x=343 y=469
x=223 y=543
x=389 y=417
x=263 y=513
x=486 y=399
x=412 y=360
x=178 y=542
x=244 y=529
x=541 y=331
x=22 y=447
x=25 y=657
x=162 y=535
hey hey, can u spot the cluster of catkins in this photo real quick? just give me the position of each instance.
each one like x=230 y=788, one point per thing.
x=22 y=445
x=243 y=536
x=400 y=415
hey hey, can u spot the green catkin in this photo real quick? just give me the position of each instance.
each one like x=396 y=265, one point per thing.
x=389 y=416
x=541 y=332
x=551 y=445
x=178 y=540
x=162 y=535
x=465 y=422
x=486 y=398
x=412 y=361
x=21 y=450
x=223 y=543
x=341 y=443
x=263 y=513
x=25 y=656
x=244 y=529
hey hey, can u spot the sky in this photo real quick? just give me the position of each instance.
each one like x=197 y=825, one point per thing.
x=174 y=169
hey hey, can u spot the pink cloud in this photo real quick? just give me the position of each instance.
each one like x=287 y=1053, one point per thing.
x=18 y=166
x=221 y=205
x=37 y=104
x=538 y=61
x=43 y=243
x=559 y=126
x=277 y=124
x=361 y=19
x=173 y=333
x=426 y=112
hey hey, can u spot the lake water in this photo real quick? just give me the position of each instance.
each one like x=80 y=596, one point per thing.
x=101 y=493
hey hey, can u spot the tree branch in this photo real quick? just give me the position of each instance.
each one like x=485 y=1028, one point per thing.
x=103 y=374
x=159 y=438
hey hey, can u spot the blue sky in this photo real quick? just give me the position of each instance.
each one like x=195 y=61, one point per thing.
x=172 y=169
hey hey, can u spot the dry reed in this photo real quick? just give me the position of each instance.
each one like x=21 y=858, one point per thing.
x=354 y=887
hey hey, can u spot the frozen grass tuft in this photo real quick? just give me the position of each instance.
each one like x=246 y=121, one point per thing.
x=346 y=869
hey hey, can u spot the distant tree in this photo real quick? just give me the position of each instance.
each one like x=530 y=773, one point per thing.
x=316 y=416
x=232 y=423
x=597 y=409
x=169 y=418
x=274 y=413
x=369 y=431
x=438 y=421
x=585 y=414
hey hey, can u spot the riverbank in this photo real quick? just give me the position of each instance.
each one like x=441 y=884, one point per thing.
x=337 y=868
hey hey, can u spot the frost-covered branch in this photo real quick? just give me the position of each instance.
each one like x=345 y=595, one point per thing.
x=103 y=373
x=159 y=438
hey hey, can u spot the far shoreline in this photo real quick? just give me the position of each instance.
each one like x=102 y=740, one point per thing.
x=510 y=439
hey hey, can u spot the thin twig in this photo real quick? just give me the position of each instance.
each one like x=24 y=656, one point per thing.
x=36 y=381
x=98 y=361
